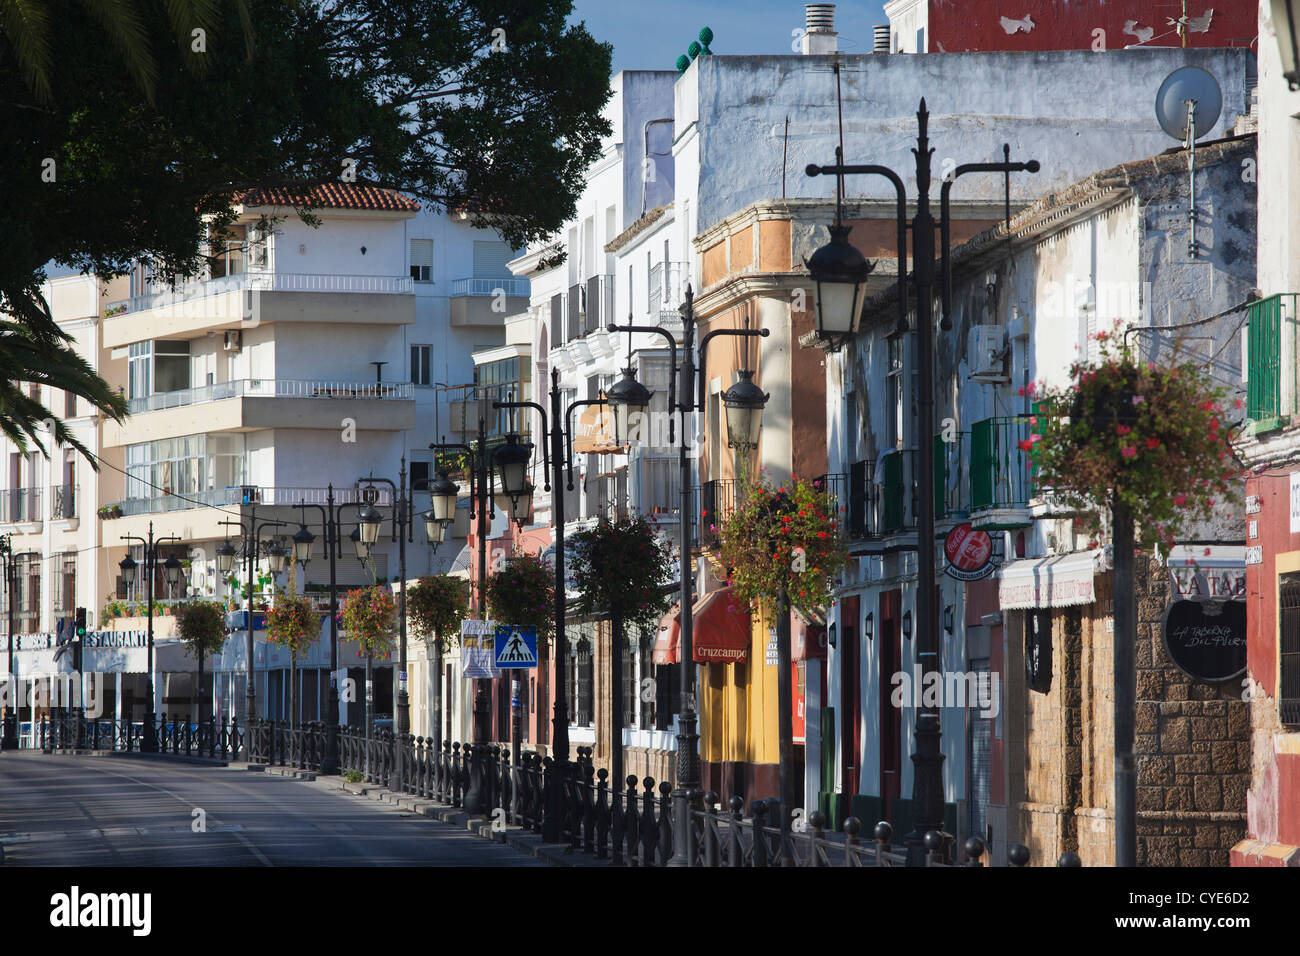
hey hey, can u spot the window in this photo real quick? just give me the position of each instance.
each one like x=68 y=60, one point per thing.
x=28 y=568
x=69 y=405
x=1288 y=697
x=420 y=475
x=894 y=392
x=65 y=590
x=420 y=364
x=422 y=260
x=581 y=696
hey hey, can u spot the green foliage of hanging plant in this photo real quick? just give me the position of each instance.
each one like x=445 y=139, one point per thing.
x=783 y=538
x=436 y=605
x=369 y=617
x=523 y=593
x=1155 y=439
x=622 y=567
x=293 y=622
x=202 y=626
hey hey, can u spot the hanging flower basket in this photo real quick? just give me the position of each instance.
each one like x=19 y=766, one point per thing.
x=294 y=623
x=436 y=605
x=785 y=538
x=369 y=616
x=622 y=567
x=523 y=593
x=1154 y=438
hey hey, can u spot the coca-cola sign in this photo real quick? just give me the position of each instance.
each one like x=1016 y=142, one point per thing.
x=969 y=553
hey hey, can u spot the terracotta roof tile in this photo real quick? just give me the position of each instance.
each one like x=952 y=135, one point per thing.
x=330 y=196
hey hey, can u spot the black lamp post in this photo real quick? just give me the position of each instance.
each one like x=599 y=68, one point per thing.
x=303 y=540
x=833 y=272
x=693 y=399
x=172 y=569
x=10 y=740
x=481 y=508
x=250 y=550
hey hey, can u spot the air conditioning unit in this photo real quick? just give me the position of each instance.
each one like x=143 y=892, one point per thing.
x=988 y=354
x=233 y=341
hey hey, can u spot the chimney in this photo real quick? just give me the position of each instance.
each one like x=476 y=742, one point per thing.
x=819 y=36
x=881 y=34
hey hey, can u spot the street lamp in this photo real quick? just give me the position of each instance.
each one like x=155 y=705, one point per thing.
x=128 y=567
x=435 y=529
x=512 y=461
x=1286 y=22
x=250 y=550
x=833 y=265
x=839 y=273
x=302 y=542
x=744 y=403
x=442 y=499
x=628 y=398
x=359 y=545
x=693 y=399
x=225 y=558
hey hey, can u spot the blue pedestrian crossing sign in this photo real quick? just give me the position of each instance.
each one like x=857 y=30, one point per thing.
x=516 y=646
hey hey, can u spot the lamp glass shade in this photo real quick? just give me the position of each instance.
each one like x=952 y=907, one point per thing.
x=442 y=498
x=512 y=460
x=128 y=566
x=277 y=557
x=302 y=542
x=744 y=403
x=369 y=522
x=1286 y=24
x=225 y=557
x=629 y=400
x=172 y=571
x=518 y=506
x=434 y=529
x=839 y=273
x=359 y=543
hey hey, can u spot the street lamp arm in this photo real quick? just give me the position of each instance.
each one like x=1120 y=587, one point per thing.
x=568 y=432
x=900 y=191
x=546 y=431
x=945 y=224
x=704 y=347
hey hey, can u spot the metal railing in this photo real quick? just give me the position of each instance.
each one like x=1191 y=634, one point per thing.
x=20 y=504
x=246 y=495
x=1000 y=475
x=216 y=738
x=264 y=282
x=272 y=388
x=628 y=824
x=512 y=286
x=1267 y=403
x=63 y=501
x=667 y=292
x=715 y=500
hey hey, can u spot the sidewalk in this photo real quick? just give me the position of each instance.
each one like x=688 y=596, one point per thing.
x=525 y=841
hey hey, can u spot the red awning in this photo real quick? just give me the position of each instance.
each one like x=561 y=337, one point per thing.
x=667 y=648
x=720 y=632
x=807 y=639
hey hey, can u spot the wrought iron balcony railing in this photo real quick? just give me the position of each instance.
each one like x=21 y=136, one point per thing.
x=20 y=504
x=63 y=501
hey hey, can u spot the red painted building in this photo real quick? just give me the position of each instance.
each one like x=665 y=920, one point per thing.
x=969 y=26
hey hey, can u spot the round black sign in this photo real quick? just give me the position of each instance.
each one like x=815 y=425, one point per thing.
x=1209 y=646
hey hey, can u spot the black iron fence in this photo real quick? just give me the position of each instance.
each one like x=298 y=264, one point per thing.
x=216 y=738
x=628 y=824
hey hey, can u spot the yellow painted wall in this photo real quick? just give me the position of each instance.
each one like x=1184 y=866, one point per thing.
x=738 y=705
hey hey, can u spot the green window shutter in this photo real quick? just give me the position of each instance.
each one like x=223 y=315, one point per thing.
x=892 y=506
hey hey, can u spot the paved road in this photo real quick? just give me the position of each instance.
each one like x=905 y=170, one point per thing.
x=124 y=811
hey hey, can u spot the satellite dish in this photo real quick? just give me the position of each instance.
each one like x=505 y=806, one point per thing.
x=1188 y=83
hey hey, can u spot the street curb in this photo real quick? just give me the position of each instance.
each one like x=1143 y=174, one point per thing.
x=137 y=755
x=515 y=837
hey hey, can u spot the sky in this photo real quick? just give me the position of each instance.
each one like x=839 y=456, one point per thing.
x=651 y=34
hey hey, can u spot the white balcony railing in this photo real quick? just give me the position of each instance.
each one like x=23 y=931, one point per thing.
x=265 y=282
x=381 y=496
x=514 y=286
x=273 y=388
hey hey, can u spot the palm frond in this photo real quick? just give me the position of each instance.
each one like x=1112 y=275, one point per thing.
x=26 y=25
x=128 y=35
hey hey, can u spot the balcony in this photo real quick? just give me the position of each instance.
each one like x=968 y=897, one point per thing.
x=272 y=388
x=248 y=404
x=667 y=292
x=590 y=306
x=716 y=499
x=20 y=506
x=253 y=297
x=63 y=502
x=1271 y=399
x=1001 y=482
x=486 y=302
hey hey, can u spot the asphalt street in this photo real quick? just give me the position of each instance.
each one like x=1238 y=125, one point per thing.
x=125 y=811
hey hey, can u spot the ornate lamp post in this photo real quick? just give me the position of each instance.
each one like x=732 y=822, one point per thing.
x=10 y=741
x=250 y=550
x=172 y=569
x=835 y=270
x=693 y=399
x=303 y=539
